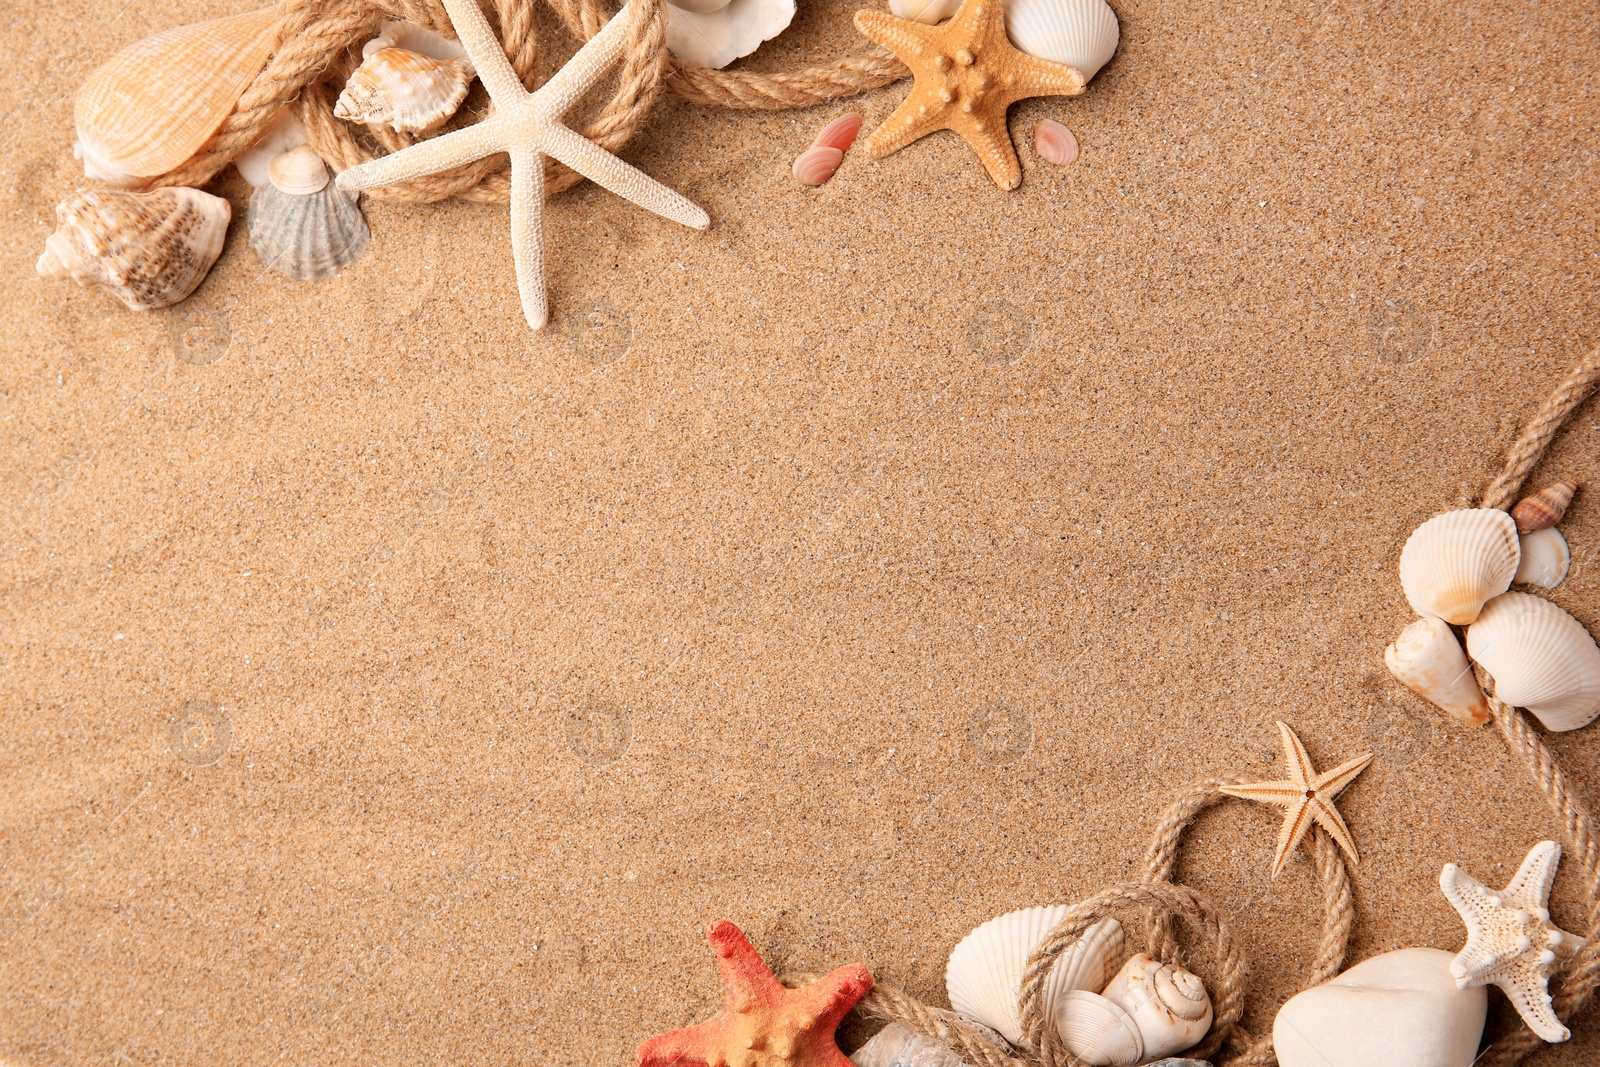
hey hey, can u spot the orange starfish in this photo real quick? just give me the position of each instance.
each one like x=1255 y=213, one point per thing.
x=968 y=74
x=764 y=1024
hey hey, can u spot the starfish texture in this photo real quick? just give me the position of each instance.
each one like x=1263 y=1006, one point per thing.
x=967 y=75
x=764 y=1024
x=1308 y=798
x=1510 y=941
x=528 y=127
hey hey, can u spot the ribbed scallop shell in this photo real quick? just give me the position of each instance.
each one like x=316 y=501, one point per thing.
x=717 y=38
x=1453 y=563
x=149 y=250
x=1079 y=33
x=1541 y=658
x=929 y=12
x=1545 y=558
x=1428 y=659
x=1097 y=1030
x=984 y=976
x=306 y=237
x=1169 y=1005
x=404 y=90
x=158 y=101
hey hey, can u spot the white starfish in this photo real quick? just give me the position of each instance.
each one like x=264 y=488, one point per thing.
x=1510 y=940
x=528 y=126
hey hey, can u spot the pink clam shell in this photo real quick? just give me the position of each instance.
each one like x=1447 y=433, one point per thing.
x=816 y=165
x=841 y=132
x=1055 y=143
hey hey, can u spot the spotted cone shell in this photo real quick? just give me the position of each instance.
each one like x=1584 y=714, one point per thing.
x=149 y=250
x=158 y=101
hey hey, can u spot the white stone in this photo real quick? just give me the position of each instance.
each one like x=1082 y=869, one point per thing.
x=1398 y=1008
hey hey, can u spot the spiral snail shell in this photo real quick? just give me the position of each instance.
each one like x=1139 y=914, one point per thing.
x=1170 y=1005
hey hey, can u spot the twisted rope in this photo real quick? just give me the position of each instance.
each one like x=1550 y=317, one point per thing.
x=1530 y=445
x=317 y=46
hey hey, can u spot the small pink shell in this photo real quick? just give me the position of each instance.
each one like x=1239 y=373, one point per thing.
x=1055 y=143
x=841 y=132
x=816 y=165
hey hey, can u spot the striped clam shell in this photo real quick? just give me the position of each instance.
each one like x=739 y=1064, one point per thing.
x=1079 y=33
x=1542 y=659
x=1453 y=563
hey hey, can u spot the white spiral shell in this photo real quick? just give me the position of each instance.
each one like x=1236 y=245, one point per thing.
x=1541 y=658
x=984 y=976
x=1079 y=33
x=1097 y=1030
x=1169 y=1005
x=1453 y=563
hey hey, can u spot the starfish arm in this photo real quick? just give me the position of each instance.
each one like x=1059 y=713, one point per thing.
x=1529 y=994
x=671 y=1049
x=1266 y=792
x=630 y=183
x=587 y=66
x=902 y=128
x=488 y=55
x=1040 y=77
x=1536 y=875
x=1296 y=821
x=1330 y=784
x=1327 y=816
x=831 y=997
x=1300 y=770
x=425 y=157
x=900 y=36
x=991 y=139
x=527 y=233
x=745 y=974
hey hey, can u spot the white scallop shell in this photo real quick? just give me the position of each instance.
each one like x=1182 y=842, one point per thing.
x=1098 y=1031
x=1545 y=558
x=404 y=90
x=700 y=7
x=299 y=171
x=283 y=134
x=1169 y=1004
x=304 y=235
x=929 y=12
x=984 y=976
x=1079 y=33
x=717 y=38
x=1428 y=658
x=1453 y=563
x=896 y=1046
x=149 y=250
x=1541 y=658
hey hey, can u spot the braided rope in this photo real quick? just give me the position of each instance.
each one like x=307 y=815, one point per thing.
x=1541 y=430
x=317 y=46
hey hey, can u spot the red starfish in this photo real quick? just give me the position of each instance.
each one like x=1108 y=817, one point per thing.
x=764 y=1024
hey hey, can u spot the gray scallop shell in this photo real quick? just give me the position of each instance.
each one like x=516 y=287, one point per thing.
x=306 y=237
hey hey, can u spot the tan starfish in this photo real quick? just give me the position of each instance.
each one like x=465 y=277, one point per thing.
x=967 y=76
x=528 y=126
x=1510 y=940
x=1308 y=796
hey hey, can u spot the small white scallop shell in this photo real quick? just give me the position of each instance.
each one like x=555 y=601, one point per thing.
x=717 y=38
x=149 y=250
x=301 y=224
x=1079 y=33
x=1541 y=658
x=158 y=101
x=1428 y=659
x=1098 y=1031
x=930 y=12
x=283 y=134
x=1545 y=558
x=404 y=90
x=984 y=976
x=1453 y=563
x=1169 y=1004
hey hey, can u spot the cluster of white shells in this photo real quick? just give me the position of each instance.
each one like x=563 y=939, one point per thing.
x=1079 y=33
x=1137 y=1014
x=1457 y=570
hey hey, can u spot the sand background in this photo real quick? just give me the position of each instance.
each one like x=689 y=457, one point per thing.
x=383 y=681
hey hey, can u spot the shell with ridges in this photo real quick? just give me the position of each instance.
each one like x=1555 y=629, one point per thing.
x=404 y=90
x=1453 y=563
x=282 y=135
x=305 y=235
x=716 y=38
x=928 y=12
x=1545 y=558
x=816 y=165
x=1428 y=659
x=1542 y=659
x=1545 y=508
x=1079 y=33
x=149 y=250
x=984 y=976
x=1097 y=1030
x=158 y=101
x=1169 y=1005
x=413 y=38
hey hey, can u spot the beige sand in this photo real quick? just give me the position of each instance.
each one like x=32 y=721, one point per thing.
x=876 y=562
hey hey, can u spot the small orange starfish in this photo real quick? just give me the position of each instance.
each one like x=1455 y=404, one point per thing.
x=764 y=1024
x=968 y=74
